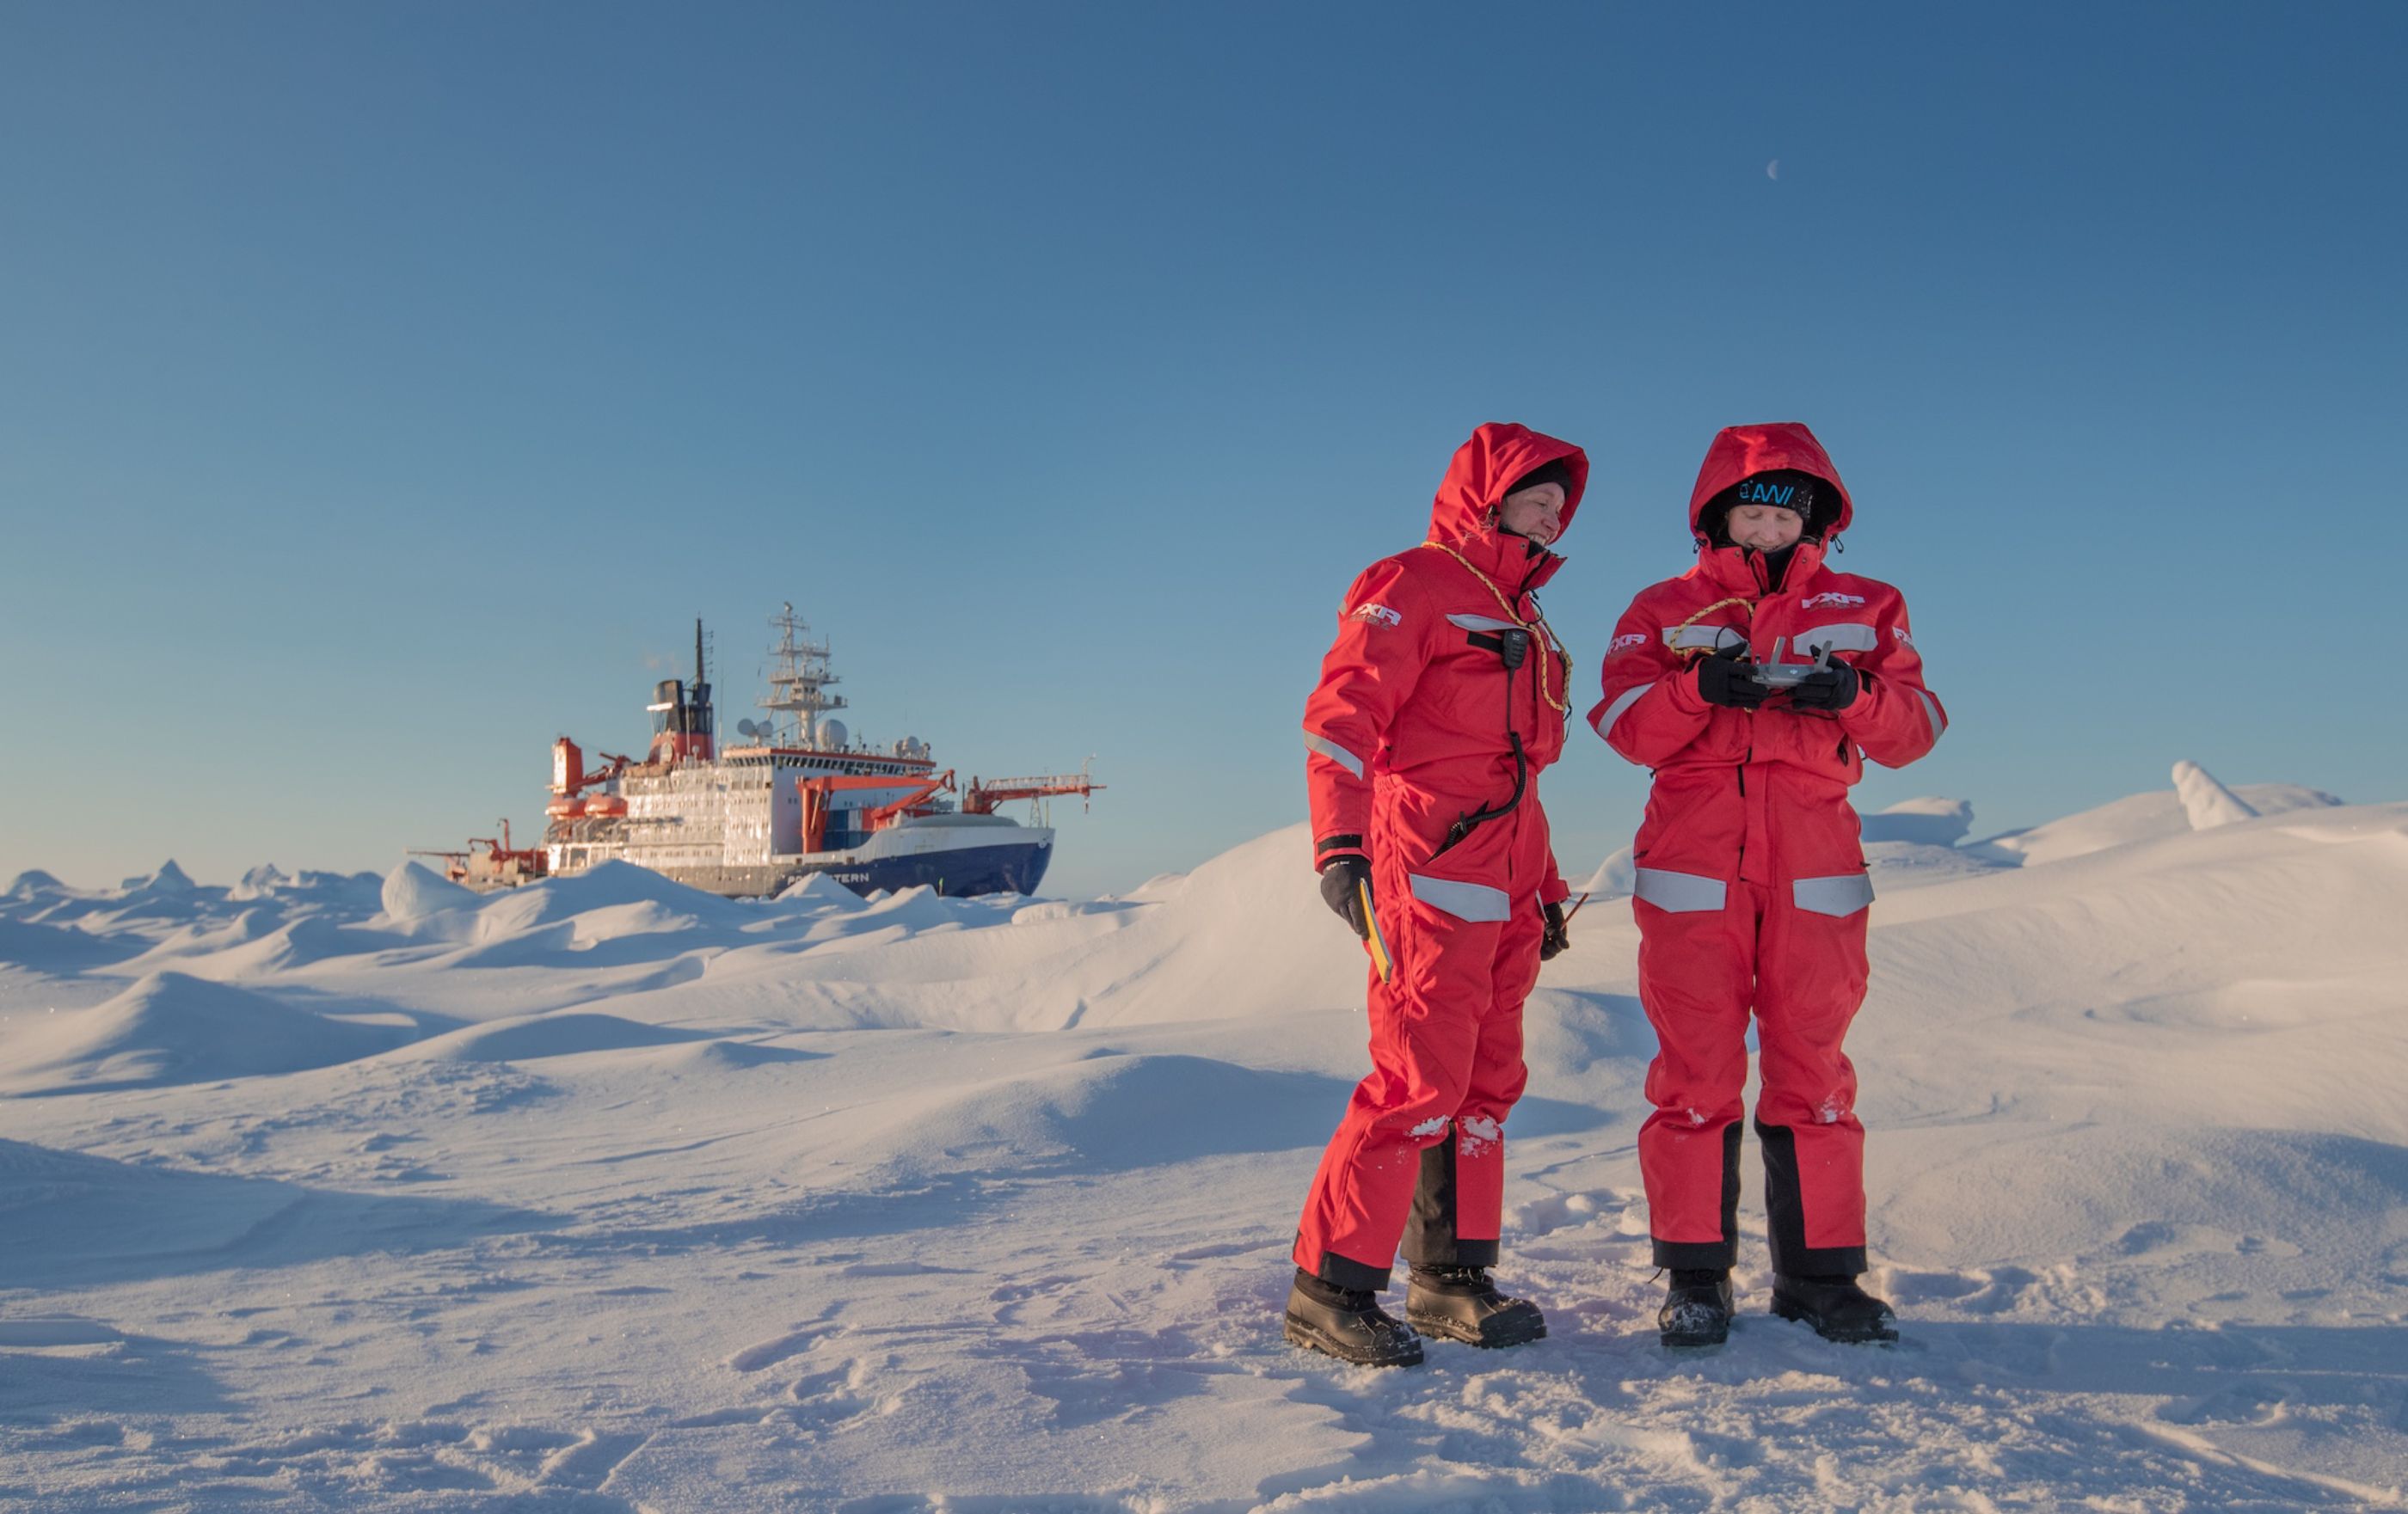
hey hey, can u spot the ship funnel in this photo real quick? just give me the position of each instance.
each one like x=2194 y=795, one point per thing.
x=681 y=718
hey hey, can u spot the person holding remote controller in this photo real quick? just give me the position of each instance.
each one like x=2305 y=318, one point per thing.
x=1756 y=685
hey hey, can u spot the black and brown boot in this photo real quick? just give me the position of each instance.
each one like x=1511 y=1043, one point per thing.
x=1349 y=1324
x=1697 y=1312
x=1835 y=1307
x=1462 y=1304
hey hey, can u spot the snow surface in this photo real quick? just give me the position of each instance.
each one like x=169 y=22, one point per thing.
x=2139 y=818
x=345 y=1192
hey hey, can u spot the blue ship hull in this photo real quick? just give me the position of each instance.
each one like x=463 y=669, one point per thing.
x=1014 y=868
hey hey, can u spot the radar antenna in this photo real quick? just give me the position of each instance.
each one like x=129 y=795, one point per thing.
x=799 y=677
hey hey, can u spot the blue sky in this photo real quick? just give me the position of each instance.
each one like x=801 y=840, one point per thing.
x=387 y=387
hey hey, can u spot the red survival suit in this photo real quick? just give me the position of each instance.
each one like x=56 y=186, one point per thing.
x=1751 y=889
x=1414 y=728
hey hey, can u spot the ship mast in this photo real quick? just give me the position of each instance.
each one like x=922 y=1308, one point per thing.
x=798 y=682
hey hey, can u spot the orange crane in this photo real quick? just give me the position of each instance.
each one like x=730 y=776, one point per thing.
x=569 y=776
x=818 y=792
x=982 y=794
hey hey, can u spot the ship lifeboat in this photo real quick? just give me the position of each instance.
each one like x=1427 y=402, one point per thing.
x=565 y=810
x=606 y=806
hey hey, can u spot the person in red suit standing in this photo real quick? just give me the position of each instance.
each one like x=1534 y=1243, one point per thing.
x=1756 y=685
x=1442 y=697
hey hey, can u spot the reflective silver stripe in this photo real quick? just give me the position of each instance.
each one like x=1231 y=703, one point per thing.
x=1838 y=896
x=1931 y=713
x=1335 y=752
x=1710 y=636
x=1842 y=635
x=1482 y=622
x=1679 y=893
x=1475 y=901
x=1621 y=702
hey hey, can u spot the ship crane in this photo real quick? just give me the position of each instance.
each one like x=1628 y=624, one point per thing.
x=614 y=767
x=499 y=862
x=983 y=794
x=818 y=800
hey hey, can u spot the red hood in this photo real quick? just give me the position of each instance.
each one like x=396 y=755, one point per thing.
x=1497 y=453
x=1740 y=450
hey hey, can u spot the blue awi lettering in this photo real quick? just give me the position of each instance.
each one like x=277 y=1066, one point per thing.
x=1766 y=495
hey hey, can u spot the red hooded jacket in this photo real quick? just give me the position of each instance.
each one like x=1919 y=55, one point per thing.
x=1805 y=761
x=1412 y=726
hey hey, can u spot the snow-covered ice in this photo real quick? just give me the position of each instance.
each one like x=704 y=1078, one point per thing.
x=324 y=1192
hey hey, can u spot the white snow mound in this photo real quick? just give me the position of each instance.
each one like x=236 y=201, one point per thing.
x=260 y=882
x=2208 y=803
x=2141 y=817
x=414 y=891
x=32 y=883
x=169 y=878
x=1614 y=879
x=170 y=1028
x=1928 y=823
x=533 y=1038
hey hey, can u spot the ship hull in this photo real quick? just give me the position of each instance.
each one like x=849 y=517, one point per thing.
x=1015 y=868
x=955 y=874
x=950 y=859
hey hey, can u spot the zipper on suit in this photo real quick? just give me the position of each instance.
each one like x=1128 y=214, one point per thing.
x=1513 y=843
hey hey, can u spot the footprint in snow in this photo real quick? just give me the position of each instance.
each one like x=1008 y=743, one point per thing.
x=2248 y=1402
x=1560 y=1211
x=770 y=1352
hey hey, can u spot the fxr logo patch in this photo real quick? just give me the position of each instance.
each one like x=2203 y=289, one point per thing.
x=1625 y=643
x=1378 y=615
x=1834 y=597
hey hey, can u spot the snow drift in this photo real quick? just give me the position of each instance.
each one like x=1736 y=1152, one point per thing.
x=170 y=1028
x=604 y=1194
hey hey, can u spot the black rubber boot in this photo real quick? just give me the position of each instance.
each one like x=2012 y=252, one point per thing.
x=1697 y=1312
x=1835 y=1307
x=1462 y=1304
x=1349 y=1324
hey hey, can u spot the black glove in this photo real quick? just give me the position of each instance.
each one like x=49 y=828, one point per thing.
x=1727 y=678
x=1833 y=689
x=1345 y=884
x=1559 y=932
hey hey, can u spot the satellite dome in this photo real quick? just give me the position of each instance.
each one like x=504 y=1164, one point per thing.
x=834 y=736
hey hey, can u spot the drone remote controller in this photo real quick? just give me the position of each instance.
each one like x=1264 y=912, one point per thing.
x=1777 y=674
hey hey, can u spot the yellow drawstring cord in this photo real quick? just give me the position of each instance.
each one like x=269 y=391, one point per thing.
x=1538 y=623
x=1680 y=652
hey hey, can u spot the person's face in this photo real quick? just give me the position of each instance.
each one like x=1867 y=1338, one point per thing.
x=1536 y=512
x=1767 y=528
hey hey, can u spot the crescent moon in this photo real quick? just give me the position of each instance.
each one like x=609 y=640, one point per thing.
x=1772 y=169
